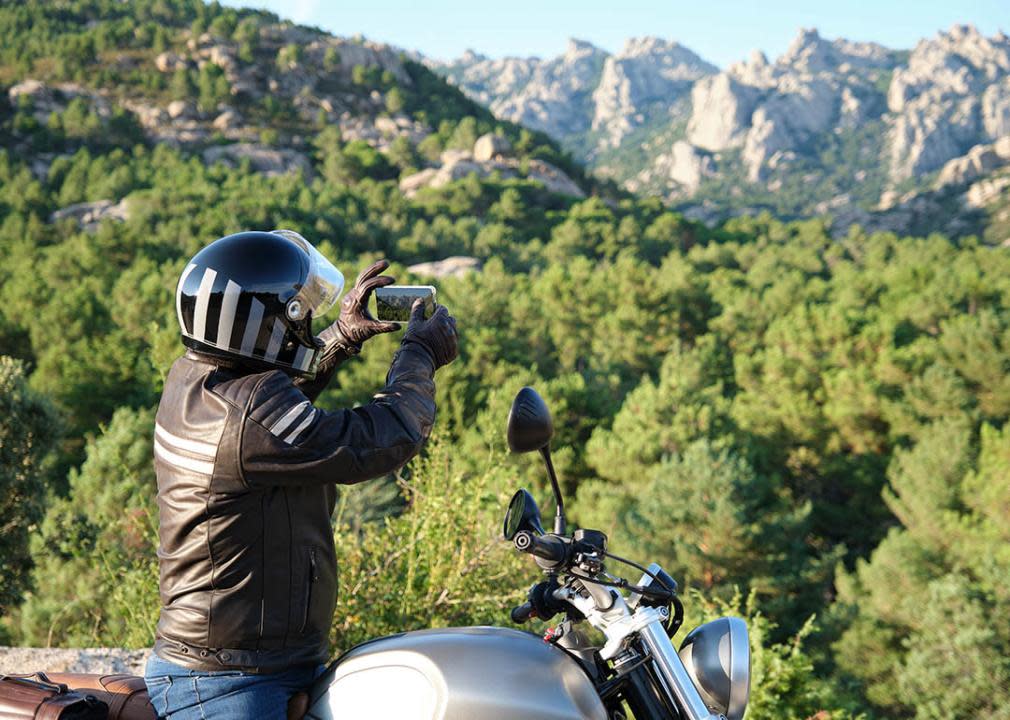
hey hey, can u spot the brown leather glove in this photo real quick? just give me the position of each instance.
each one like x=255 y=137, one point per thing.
x=344 y=337
x=436 y=335
x=356 y=324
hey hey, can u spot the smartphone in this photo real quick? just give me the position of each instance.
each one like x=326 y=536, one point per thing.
x=393 y=302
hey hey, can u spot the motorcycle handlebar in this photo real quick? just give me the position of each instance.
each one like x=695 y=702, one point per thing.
x=546 y=547
x=522 y=613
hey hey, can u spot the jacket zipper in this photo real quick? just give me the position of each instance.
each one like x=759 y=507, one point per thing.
x=313 y=577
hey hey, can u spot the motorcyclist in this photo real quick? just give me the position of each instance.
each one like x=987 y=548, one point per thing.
x=247 y=467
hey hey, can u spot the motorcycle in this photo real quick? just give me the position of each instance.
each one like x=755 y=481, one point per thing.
x=493 y=673
x=496 y=673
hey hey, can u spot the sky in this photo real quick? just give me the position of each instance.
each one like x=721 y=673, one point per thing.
x=721 y=31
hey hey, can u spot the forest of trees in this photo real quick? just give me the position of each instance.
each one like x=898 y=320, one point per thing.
x=808 y=432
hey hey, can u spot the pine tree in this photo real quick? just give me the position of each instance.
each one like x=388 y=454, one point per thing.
x=28 y=430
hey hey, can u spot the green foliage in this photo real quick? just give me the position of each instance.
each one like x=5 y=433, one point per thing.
x=94 y=550
x=213 y=87
x=926 y=614
x=439 y=564
x=289 y=56
x=331 y=59
x=27 y=425
x=707 y=517
x=182 y=87
x=394 y=101
x=784 y=680
x=748 y=405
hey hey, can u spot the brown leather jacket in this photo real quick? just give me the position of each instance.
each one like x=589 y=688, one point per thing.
x=247 y=470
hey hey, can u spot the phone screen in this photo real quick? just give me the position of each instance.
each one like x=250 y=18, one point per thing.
x=393 y=302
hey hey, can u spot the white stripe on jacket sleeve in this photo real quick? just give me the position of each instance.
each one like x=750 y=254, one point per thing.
x=289 y=417
x=290 y=437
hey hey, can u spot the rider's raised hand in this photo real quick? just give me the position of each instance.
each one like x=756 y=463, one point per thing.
x=356 y=323
x=437 y=334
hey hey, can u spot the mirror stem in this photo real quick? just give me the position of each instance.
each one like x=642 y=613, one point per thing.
x=559 y=517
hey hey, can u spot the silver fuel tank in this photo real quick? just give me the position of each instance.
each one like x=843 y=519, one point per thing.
x=456 y=674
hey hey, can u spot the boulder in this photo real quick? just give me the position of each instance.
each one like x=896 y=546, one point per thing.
x=88 y=215
x=227 y=120
x=448 y=157
x=34 y=89
x=979 y=161
x=410 y=184
x=149 y=116
x=221 y=56
x=168 y=62
x=490 y=146
x=456 y=266
x=179 y=109
x=553 y=178
x=458 y=165
x=689 y=165
x=985 y=191
x=266 y=160
x=386 y=125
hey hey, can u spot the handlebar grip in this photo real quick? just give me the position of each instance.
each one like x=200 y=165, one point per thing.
x=546 y=547
x=522 y=613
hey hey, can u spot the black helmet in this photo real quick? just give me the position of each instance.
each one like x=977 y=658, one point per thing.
x=251 y=296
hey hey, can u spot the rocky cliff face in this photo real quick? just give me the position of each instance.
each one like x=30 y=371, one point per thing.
x=585 y=90
x=772 y=110
x=953 y=93
x=646 y=73
x=554 y=95
x=829 y=124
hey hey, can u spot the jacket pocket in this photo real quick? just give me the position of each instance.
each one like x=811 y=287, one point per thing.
x=311 y=578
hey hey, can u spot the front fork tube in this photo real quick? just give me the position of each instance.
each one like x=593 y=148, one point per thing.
x=673 y=673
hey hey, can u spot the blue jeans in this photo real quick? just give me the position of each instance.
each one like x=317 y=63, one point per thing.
x=179 y=693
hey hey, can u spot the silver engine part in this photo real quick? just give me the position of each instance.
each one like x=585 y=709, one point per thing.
x=456 y=674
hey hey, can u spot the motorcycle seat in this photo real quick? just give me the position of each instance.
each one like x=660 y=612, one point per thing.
x=126 y=695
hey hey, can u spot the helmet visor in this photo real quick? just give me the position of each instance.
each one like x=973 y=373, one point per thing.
x=324 y=282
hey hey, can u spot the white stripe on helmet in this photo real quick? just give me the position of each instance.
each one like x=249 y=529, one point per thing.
x=227 y=318
x=178 y=295
x=202 y=303
x=252 y=327
x=276 y=335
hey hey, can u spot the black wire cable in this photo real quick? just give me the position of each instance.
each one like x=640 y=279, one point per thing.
x=621 y=582
x=648 y=572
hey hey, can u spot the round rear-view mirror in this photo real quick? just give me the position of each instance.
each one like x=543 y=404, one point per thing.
x=529 y=425
x=522 y=514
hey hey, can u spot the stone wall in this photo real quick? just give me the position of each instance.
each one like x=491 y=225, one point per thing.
x=75 y=660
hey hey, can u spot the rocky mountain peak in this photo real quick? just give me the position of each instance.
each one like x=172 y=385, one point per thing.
x=470 y=57
x=577 y=49
x=812 y=53
x=648 y=70
x=808 y=51
x=658 y=117
x=953 y=93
